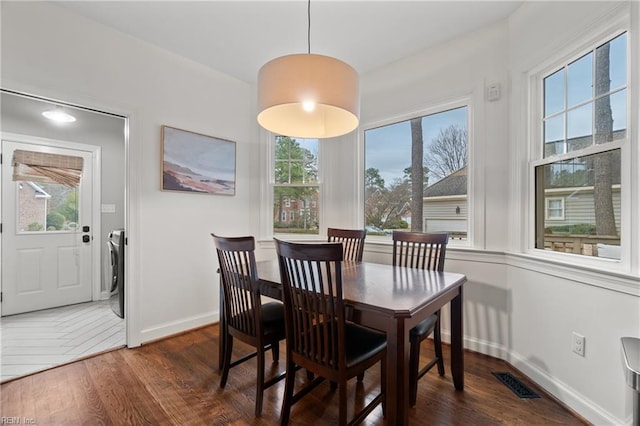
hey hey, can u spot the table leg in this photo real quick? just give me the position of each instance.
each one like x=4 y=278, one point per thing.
x=397 y=373
x=457 y=354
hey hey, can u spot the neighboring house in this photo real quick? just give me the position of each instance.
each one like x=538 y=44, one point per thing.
x=295 y=212
x=32 y=200
x=445 y=205
x=573 y=206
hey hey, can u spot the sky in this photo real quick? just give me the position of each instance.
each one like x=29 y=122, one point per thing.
x=388 y=148
x=206 y=155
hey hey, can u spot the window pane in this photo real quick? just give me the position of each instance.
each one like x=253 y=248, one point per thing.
x=50 y=207
x=554 y=93
x=611 y=65
x=296 y=160
x=579 y=126
x=295 y=210
x=590 y=186
x=611 y=117
x=554 y=135
x=580 y=81
x=442 y=139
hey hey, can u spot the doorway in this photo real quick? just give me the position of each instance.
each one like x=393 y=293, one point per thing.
x=90 y=211
x=48 y=253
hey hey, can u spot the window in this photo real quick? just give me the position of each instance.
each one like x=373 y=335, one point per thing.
x=295 y=186
x=584 y=127
x=430 y=151
x=50 y=207
x=555 y=208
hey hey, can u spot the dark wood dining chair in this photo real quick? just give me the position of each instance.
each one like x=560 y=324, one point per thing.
x=352 y=242
x=423 y=251
x=319 y=338
x=246 y=318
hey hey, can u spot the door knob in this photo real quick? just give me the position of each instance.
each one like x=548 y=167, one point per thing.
x=86 y=238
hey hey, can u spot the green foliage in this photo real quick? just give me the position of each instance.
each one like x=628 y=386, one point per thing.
x=55 y=220
x=576 y=229
x=69 y=209
x=34 y=226
x=372 y=179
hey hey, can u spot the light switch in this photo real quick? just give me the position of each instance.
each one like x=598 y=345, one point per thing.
x=108 y=208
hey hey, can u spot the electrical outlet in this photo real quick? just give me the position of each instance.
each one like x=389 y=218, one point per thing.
x=578 y=342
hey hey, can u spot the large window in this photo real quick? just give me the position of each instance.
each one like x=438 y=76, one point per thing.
x=584 y=127
x=295 y=188
x=416 y=175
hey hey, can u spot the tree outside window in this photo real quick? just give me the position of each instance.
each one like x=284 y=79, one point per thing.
x=415 y=175
x=295 y=187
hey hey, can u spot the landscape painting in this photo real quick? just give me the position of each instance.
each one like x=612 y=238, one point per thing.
x=192 y=162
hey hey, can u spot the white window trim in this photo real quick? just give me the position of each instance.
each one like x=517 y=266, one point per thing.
x=629 y=197
x=458 y=102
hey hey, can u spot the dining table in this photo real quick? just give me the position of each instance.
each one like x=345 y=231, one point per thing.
x=393 y=299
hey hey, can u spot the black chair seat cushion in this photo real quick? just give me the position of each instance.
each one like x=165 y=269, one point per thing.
x=272 y=319
x=424 y=328
x=362 y=343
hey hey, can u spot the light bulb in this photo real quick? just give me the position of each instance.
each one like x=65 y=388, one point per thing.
x=59 y=116
x=308 y=106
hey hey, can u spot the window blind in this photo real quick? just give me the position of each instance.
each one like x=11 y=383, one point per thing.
x=34 y=166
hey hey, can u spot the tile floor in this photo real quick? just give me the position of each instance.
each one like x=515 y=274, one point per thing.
x=40 y=340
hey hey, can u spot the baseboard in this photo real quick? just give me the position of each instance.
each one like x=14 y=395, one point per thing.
x=177 y=327
x=563 y=393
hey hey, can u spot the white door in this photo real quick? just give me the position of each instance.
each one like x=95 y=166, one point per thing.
x=46 y=236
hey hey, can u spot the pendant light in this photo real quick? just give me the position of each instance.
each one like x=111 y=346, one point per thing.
x=307 y=95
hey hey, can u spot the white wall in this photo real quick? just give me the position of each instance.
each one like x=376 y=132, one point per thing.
x=515 y=307
x=548 y=303
x=172 y=281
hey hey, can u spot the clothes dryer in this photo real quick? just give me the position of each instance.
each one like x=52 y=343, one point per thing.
x=116 y=243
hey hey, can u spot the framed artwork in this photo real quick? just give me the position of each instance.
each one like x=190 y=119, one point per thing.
x=192 y=162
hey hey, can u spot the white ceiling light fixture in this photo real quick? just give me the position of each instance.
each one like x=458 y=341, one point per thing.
x=307 y=95
x=59 y=115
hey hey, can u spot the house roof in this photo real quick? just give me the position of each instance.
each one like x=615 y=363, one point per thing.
x=454 y=184
x=40 y=193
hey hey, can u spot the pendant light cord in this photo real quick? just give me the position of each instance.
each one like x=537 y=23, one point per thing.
x=309 y=26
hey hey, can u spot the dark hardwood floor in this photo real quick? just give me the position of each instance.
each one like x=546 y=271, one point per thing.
x=175 y=382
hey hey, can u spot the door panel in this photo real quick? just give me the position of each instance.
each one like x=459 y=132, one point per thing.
x=45 y=262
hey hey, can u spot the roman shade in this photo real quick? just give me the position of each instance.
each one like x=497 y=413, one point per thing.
x=34 y=166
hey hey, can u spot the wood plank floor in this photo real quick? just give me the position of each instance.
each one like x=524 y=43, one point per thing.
x=175 y=381
x=39 y=340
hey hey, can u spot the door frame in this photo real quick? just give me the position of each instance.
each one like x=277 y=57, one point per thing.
x=96 y=242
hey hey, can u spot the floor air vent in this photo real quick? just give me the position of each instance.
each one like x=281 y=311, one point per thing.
x=516 y=385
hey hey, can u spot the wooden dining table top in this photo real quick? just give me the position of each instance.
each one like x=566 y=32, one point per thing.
x=392 y=290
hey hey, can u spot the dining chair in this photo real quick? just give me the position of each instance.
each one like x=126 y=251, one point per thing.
x=318 y=338
x=423 y=251
x=246 y=318
x=352 y=241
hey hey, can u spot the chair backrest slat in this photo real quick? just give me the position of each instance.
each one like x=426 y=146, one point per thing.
x=239 y=280
x=314 y=308
x=352 y=241
x=420 y=250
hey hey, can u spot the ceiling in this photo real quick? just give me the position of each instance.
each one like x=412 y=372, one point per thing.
x=238 y=37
